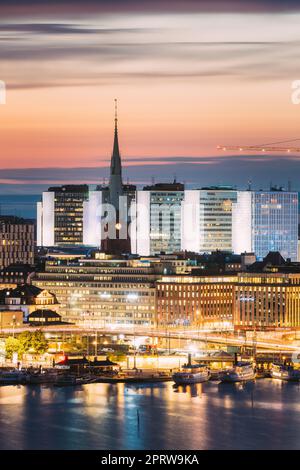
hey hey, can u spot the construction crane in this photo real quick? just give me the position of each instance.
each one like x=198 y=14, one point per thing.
x=269 y=147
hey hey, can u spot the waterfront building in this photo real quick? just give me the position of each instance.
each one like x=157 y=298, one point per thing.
x=266 y=221
x=207 y=219
x=44 y=317
x=27 y=298
x=103 y=291
x=195 y=301
x=158 y=215
x=60 y=215
x=267 y=301
x=16 y=241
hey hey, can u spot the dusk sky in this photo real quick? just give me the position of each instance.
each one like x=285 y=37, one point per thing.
x=188 y=75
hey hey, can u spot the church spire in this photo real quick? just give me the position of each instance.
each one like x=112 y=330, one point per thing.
x=115 y=167
x=115 y=181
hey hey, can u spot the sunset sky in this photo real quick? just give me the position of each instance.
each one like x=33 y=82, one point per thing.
x=188 y=75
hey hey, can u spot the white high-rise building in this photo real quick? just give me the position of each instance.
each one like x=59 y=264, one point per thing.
x=207 y=219
x=264 y=221
x=156 y=224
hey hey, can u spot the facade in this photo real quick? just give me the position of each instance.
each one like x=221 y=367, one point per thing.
x=264 y=222
x=157 y=227
x=27 y=298
x=267 y=301
x=43 y=317
x=60 y=216
x=16 y=274
x=11 y=319
x=207 y=219
x=16 y=241
x=104 y=291
x=196 y=301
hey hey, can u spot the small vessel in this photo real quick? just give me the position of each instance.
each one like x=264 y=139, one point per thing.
x=284 y=372
x=13 y=377
x=241 y=372
x=65 y=380
x=41 y=378
x=191 y=374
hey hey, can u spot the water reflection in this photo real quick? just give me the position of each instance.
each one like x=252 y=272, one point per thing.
x=194 y=390
x=256 y=415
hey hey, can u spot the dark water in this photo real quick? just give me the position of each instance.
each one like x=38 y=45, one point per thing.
x=20 y=205
x=265 y=415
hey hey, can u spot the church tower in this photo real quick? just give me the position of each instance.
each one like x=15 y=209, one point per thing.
x=120 y=243
x=115 y=180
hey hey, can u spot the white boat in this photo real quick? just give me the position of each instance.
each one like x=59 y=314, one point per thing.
x=191 y=374
x=283 y=372
x=12 y=377
x=241 y=372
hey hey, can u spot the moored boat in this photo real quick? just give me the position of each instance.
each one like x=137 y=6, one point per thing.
x=191 y=374
x=13 y=377
x=240 y=372
x=65 y=380
x=284 y=372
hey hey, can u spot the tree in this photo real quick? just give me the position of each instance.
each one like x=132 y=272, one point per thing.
x=34 y=341
x=39 y=342
x=25 y=342
x=11 y=346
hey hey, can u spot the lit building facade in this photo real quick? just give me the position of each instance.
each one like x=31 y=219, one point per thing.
x=17 y=241
x=156 y=226
x=60 y=216
x=28 y=299
x=266 y=221
x=103 y=292
x=207 y=219
x=267 y=301
x=195 y=301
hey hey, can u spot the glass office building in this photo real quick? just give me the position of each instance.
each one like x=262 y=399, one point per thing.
x=266 y=221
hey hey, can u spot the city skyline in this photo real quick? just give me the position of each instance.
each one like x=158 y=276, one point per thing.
x=188 y=77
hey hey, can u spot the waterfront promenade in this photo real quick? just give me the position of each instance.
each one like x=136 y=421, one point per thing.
x=221 y=338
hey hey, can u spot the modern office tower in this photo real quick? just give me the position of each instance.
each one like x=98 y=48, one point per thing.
x=207 y=219
x=157 y=225
x=267 y=301
x=103 y=291
x=16 y=241
x=60 y=216
x=266 y=221
x=196 y=301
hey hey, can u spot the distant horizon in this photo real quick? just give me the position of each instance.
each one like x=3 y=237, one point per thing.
x=230 y=170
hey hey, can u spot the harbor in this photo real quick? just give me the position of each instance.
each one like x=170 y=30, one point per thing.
x=218 y=366
x=151 y=416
